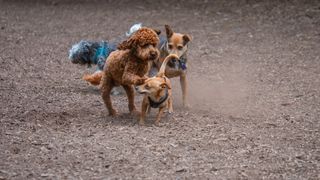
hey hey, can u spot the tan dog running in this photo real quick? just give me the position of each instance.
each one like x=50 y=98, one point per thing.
x=158 y=93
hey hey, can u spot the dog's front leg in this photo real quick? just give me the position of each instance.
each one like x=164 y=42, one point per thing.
x=161 y=109
x=183 y=83
x=130 y=94
x=170 y=105
x=144 y=108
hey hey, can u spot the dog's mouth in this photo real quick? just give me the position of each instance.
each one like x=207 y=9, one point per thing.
x=152 y=58
x=174 y=63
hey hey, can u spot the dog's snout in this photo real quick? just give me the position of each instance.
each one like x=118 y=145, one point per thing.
x=153 y=54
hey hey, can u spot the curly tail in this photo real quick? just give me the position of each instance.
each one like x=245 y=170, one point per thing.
x=94 y=78
x=164 y=64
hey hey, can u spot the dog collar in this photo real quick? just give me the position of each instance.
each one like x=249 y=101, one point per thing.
x=182 y=63
x=154 y=104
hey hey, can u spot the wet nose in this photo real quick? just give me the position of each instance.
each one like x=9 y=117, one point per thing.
x=153 y=54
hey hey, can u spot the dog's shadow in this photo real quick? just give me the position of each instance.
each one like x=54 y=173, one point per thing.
x=127 y=119
x=89 y=90
x=96 y=91
x=124 y=118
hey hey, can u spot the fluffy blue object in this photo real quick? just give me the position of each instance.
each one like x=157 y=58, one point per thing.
x=88 y=52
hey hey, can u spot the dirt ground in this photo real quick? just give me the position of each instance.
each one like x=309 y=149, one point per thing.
x=254 y=81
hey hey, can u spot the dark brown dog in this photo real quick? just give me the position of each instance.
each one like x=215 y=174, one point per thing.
x=129 y=65
x=175 y=43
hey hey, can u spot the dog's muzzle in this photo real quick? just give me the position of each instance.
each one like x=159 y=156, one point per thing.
x=153 y=55
x=138 y=90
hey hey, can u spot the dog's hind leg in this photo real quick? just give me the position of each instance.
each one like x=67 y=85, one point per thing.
x=130 y=94
x=106 y=88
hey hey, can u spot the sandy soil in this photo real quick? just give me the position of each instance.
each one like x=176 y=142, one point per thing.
x=254 y=89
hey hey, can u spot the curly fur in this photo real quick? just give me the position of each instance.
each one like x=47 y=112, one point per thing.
x=129 y=65
x=141 y=38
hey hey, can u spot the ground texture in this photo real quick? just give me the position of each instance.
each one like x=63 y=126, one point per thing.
x=254 y=81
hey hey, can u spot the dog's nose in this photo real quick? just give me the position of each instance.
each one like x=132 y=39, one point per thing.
x=153 y=54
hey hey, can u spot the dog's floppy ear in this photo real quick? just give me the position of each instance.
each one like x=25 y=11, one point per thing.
x=157 y=31
x=127 y=44
x=186 y=38
x=169 y=31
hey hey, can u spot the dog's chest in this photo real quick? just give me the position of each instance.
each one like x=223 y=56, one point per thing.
x=142 y=69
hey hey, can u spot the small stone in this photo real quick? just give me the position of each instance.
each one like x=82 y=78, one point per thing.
x=214 y=169
x=181 y=170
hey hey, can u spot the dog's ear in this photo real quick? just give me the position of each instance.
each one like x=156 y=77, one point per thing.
x=169 y=31
x=157 y=31
x=186 y=38
x=127 y=44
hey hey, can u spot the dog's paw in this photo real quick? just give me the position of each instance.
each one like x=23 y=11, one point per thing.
x=141 y=123
x=186 y=105
x=157 y=123
x=113 y=113
x=135 y=113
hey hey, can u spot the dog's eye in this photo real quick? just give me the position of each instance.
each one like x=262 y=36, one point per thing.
x=180 y=47
x=170 y=46
x=147 y=87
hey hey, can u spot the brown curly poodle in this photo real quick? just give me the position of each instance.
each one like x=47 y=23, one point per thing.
x=128 y=66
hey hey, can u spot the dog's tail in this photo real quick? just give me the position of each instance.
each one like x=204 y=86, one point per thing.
x=94 y=78
x=164 y=64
